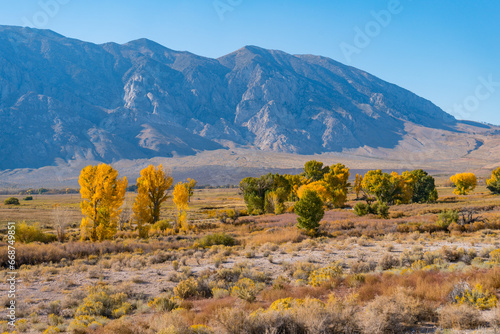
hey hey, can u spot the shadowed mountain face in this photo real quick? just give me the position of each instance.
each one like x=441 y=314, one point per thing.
x=62 y=98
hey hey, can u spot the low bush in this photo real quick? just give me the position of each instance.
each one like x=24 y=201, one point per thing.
x=446 y=218
x=11 y=201
x=393 y=314
x=459 y=317
x=28 y=198
x=215 y=239
x=187 y=288
x=380 y=209
x=31 y=233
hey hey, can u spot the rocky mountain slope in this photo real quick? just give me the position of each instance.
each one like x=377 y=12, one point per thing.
x=62 y=99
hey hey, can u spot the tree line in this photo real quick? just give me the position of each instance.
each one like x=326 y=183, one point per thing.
x=317 y=188
x=103 y=194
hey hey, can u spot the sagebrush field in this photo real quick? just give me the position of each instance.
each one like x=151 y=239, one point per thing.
x=419 y=270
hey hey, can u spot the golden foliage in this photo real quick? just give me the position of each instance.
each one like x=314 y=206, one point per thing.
x=152 y=187
x=337 y=184
x=358 y=185
x=465 y=183
x=181 y=199
x=102 y=196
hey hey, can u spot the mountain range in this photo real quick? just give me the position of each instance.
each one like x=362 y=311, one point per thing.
x=64 y=100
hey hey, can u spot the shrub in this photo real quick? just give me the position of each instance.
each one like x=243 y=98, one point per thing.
x=246 y=289
x=362 y=209
x=495 y=256
x=446 y=218
x=392 y=314
x=101 y=301
x=215 y=239
x=478 y=297
x=28 y=198
x=380 y=209
x=161 y=225
x=310 y=211
x=11 y=201
x=383 y=210
x=26 y=234
x=388 y=262
x=165 y=303
x=325 y=275
x=187 y=288
x=459 y=317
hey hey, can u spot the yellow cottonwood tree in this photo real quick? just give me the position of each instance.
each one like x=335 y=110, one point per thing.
x=152 y=187
x=181 y=198
x=319 y=187
x=337 y=184
x=102 y=196
x=465 y=183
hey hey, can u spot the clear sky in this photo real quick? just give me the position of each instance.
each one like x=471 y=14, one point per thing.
x=447 y=51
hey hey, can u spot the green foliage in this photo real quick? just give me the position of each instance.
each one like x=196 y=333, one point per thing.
x=32 y=233
x=446 y=218
x=380 y=209
x=310 y=211
x=363 y=209
x=314 y=170
x=494 y=182
x=11 y=201
x=383 y=210
x=28 y=198
x=216 y=239
x=266 y=193
x=424 y=188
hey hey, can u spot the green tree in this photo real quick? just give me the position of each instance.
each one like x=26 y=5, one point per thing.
x=424 y=188
x=310 y=211
x=389 y=188
x=314 y=170
x=266 y=193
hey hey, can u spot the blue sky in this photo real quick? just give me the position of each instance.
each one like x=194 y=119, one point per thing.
x=447 y=51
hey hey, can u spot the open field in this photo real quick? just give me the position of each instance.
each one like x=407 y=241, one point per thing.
x=362 y=275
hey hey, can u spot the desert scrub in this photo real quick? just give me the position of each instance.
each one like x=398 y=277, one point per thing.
x=459 y=317
x=246 y=289
x=30 y=233
x=83 y=322
x=325 y=275
x=52 y=330
x=101 y=301
x=495 y=256
x=477 y=297
x=215 y=239
x=187 y=288
x=300 y=270
x=393 y=314
x=165 y=303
